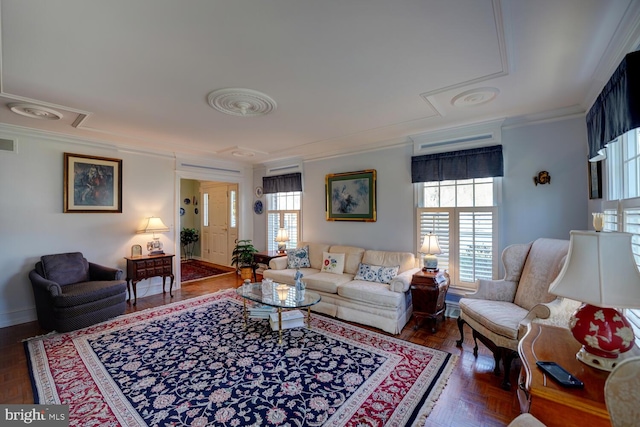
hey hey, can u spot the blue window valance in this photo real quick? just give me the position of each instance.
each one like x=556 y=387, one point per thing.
x=282 y=183
x=617 y=108
x=482 y=162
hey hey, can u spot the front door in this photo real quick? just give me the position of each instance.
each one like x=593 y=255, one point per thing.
x=219 y=221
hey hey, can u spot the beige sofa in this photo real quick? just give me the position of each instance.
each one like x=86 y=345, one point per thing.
x=384 y=306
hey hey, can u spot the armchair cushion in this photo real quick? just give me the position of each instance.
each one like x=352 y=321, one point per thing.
x=500 y=317
x=65 y=269
x=543 y=264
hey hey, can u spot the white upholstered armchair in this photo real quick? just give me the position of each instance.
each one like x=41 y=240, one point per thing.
x=499 y=311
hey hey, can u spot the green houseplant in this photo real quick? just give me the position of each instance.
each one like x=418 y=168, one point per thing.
x=242 y=258
x=188 y=239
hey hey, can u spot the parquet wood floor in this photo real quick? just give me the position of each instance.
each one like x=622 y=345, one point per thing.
x=472 y=397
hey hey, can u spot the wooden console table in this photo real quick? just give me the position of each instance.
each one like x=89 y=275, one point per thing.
x=548 y=401
x=146 y=267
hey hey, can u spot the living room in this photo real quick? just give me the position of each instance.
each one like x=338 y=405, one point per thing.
x=549 y=137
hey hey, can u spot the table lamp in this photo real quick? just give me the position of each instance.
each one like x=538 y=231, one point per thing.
x=282 y=238
x=430 y=248
x=154 y=225
x=600 y=271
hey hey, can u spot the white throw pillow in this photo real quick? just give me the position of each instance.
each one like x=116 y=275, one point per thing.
x=332 y=263
x=376 y=273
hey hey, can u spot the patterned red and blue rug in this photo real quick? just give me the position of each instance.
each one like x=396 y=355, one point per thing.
x=194 y=363
x=194 y=269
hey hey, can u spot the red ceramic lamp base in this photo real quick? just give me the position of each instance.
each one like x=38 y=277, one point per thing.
x=604 y=334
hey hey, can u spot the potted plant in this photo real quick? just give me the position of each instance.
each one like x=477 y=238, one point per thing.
x=242 y=258
x=188 y=239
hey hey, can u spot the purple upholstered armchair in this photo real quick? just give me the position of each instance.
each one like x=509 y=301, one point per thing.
x=72 y=293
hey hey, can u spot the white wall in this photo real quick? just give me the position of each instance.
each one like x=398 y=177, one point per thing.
x=528 y=212
x=32 y=223
x=551 y=210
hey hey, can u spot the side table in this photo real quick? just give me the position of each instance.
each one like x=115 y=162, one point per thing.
x=428 y=292
x=146 y=267
x=263 y=258
x=548 y=401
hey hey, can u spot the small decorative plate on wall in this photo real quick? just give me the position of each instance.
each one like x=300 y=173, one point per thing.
x=257 y=207
x=181 y=211
x=259 y=192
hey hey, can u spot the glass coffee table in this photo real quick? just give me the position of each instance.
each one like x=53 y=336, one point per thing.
x=280 y=296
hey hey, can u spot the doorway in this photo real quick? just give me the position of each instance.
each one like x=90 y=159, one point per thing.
x=219 y=221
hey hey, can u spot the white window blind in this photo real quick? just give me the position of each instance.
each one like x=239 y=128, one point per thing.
x=283 y=211
x=463 y=214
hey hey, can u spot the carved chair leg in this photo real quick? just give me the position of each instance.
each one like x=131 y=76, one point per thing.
x=460 y=327
x=509 y=355
x=497 y=355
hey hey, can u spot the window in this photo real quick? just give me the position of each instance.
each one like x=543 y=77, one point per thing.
x=283 y=211
x=463 y=214
x=622 y=207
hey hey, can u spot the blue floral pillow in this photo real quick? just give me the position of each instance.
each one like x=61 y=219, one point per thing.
x=298 y=258
x=376 y=273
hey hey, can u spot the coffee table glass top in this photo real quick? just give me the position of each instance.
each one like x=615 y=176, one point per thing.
x=272 y=296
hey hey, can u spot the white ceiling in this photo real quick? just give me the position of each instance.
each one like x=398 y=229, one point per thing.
x=347 y=75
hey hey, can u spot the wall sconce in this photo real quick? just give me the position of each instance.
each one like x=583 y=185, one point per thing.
x=154 y=225
x=542 y=178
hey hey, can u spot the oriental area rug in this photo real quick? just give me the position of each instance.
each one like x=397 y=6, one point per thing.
x=193 y=270
x=195 y=363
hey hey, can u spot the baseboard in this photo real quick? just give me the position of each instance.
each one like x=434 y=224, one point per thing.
x=453 y=309
x=17 y=317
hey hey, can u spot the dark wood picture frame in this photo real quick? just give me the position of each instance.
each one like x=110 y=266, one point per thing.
x=92 y=184
x=351 y=196
x=595 y=180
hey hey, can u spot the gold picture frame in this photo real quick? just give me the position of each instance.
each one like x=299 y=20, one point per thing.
x=92 y=184
x=351 y=196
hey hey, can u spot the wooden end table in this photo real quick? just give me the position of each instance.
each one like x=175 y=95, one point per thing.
x=263 y=258
x=548 y=401
x=428 y=292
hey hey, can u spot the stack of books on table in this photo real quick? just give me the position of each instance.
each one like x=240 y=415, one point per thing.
x=290 y=319
x=261 y=311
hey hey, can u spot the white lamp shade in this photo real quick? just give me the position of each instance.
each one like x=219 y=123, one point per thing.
x=283 y=235
x=599 y=270
x=154 y=225
x=430 y=245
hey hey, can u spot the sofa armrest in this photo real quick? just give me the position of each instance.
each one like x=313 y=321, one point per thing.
x=40 y=284
x=279 y=263
x=100 y=272
x=494 y=290
x=402 y=281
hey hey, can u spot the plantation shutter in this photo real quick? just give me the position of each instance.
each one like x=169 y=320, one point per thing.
x=632 y=225
x=475 y=248
x=438 y=222
x=273 y=224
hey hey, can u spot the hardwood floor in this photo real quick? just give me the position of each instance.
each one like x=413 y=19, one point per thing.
x=472 y=397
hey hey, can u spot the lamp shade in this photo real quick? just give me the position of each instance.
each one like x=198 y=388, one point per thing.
x=283 y=235
x=430 y=245
x=154 y=225
x=600 y=270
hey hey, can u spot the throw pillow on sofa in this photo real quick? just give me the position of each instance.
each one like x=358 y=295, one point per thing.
x=376 y=273
x=332 y=263
x=298 y=258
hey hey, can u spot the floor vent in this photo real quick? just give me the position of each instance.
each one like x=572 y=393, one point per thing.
x=8 y=145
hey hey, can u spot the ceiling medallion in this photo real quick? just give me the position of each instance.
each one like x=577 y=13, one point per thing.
x=241 y=102
x=35 y=111
x=474 y=97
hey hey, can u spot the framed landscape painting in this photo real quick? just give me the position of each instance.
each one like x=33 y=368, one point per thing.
x=92 y=184
x=351 y=196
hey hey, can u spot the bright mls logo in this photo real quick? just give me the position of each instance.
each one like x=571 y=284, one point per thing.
x=35 y=415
